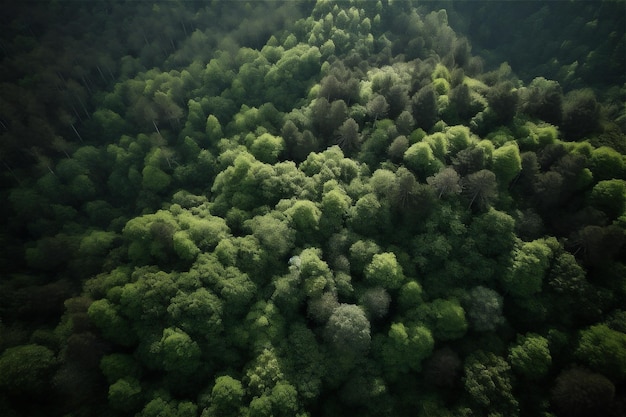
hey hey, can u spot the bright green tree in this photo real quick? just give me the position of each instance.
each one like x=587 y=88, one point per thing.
x=530 y=264
x=507 y=163
x=226 y=396
x=610 y=197
x=406 y=347
x=604 y=350
x=385 y=271
x=266 y=148
x=530 y=356
x=421 y=159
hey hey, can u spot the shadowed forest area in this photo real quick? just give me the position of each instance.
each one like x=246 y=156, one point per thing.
x=313 y=208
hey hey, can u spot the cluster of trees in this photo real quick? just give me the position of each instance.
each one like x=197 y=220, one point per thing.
x=349 y=214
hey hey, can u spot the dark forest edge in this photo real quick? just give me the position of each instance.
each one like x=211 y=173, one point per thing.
x=313 y=209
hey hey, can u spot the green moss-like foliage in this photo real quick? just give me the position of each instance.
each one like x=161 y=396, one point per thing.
x=312 y=209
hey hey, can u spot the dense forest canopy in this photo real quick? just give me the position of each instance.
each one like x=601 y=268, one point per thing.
x=313 y=208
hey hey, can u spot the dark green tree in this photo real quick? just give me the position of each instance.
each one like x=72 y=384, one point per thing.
x=488 y=381
x=26 y=369
x=579 y=392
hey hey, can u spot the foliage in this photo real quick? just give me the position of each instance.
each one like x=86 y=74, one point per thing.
x=488 y=381
x=312 y=208
x=580 y=392
x=531 y=356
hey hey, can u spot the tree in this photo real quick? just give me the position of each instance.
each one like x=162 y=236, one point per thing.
x=375 y=301
x=543 y=99
x=273 y=231
x=155 y=179
x=284 y=398
x=530 y=264
x=580 y=114
x=488 y=380
x=405 y=123
x=124 y=395
x=106 y=316
x=607 y=163
x=507 y=163
x=579 y=392
x=117 y=366
x=458 y=138
x=361 y=253
x=472 y=159
x=178 y=351
x=406 y=347
x=264 y=372
x=314 y=272
x=159 y=407
x=385 y=271
x=348 y=331
x=226 y=396
x=425 y=107
x=305 y=217
x=321 y=308
x=397 y=148
x=480 y=188
x=410 y=295
x=398 y=98
x=610 y=197
x=335 y=206
x=484 y=308
x=493 y=234
x=604 y=350
x=260 y=406
x=306 y=363
x=420 y=158
x=349 y=139
x=566 y=277
x=266 y=148
x=503 y=100
x=26 y=369
x=446 y=318
x=368 y=216
x=445 y=182
x=377 y=107
x=184 y=246
x=198 y=313
x=530 y=356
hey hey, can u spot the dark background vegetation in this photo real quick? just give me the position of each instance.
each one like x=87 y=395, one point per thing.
x=308 y=208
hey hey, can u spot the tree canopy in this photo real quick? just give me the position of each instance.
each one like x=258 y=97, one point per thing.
x=313 y=208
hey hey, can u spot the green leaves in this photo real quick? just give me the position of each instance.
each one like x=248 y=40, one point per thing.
x=406 y=347
x=178 y=351
x=348 y=331
x=604 y=350
x=530 y=264
x=489 y=383
x=530 y=356
x=507 y=163
x=25 y=369
x=226 y=396
x=385 y=271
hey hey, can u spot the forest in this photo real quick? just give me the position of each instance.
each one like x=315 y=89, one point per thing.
x=313 y=208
